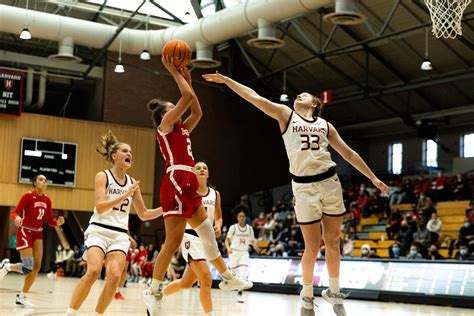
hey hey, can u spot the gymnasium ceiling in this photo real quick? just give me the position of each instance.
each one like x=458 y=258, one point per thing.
x=372 y=68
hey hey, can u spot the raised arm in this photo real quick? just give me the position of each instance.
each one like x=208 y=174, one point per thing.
x=143 y=212
x=196 y=112
x=353 y=158
x=279 y=112
x=101 y=203
x=183 y=103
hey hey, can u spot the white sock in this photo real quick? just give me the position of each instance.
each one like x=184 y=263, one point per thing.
x=97 y=314
x=209 y=314
x=22 y=294
x=155 y=285
x=334 y=285
x=71 y=312
x=307 y=289
x=227 y=275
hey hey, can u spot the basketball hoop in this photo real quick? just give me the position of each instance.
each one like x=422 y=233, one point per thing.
x=446 y=16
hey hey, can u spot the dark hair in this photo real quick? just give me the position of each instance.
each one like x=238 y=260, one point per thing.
x=319 y=106
x=157 y=107
x=240 y=208
x=33 y=180
x=108 y=146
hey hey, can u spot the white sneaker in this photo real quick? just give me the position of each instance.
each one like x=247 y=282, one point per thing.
x=336 y=300
x=307 y=305
x=50 y=275
x=240 y=299
x=22 y=301
x=4 y=268
x=234 y=284
x=153 y=301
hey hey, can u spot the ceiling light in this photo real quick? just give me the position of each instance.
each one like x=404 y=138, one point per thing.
x=119 y=68
x=25 y=34
x=145 y=55
x=284 y=97
x=426 y=63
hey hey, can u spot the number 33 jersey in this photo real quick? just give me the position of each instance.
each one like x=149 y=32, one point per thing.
x=306 y=143
x=117 y=216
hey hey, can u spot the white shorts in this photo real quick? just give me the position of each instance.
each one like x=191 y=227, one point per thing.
x=313 y=200
x=238 y=259
x=191 y=248
x=106 y=239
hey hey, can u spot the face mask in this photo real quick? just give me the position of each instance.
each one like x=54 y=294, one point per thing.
x=365 y=252
x=463 y=252
x=413 y=253
x=467 y=224
x=395 y=251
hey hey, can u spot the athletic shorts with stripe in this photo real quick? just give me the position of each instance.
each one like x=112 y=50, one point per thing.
x=313 y=200
x=178 y=194
x=106 y=239
x=191 y=248
x=26 y=237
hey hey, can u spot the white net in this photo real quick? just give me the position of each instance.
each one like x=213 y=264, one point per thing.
x=446 y=16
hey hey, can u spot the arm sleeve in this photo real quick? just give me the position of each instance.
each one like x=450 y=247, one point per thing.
x=21 y=205
x=49 y=215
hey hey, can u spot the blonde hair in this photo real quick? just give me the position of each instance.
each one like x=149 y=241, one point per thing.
x=319 y=106
x=108 y=146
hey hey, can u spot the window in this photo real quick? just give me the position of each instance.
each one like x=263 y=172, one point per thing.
x=395 y=155
x=430 y=153
x=467 y=145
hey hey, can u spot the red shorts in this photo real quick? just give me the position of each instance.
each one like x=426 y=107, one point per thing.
x=178 y=194
x=25 y=238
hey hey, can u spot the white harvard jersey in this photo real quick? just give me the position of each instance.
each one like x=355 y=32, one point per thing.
x=306 y=144
x=240 y=237
x=118 y=215
x=209 y=203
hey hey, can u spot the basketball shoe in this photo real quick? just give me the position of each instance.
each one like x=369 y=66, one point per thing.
x=153 y=300
x=235 y=283
x=22 y=301
x=4 y=268
x=336 y=300
x=307 y=305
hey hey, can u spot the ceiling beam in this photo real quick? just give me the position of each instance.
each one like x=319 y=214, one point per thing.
x=196 y=4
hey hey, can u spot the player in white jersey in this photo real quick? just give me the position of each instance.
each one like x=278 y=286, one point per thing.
x=315 y=184
x=106 y=238
x=191 y=246
x=239 y=237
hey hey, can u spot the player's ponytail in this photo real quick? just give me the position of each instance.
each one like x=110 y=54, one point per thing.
x=107 y=146
x=319 y=107
x=157 y=108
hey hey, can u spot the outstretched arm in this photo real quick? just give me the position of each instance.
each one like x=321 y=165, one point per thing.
x=353 y=158
x=143 y=212
x=183 y=103
x=196 y=112
x=279 y=112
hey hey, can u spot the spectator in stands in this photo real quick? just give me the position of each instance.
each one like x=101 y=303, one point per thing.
x=433 y=253
x=463 y=253
x=425 y=207
x=409 y=191
x=393 y=224
x=149 y=263
x=439 y=187
x=405 y=238
x=266 y=232
x=466 y=233
x=461 y=189
x=295 y=241
x=422 y=237
x=363 y=201
x=414 y=253
x=422 y=185
x=394 y=251
x=258 y=223
x=365 y=251
x=58 y=262
x=347 y=246
x=77 y=270
x=434 y=227
x=68 y=254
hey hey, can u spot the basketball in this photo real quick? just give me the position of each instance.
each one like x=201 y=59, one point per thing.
x=180 y=51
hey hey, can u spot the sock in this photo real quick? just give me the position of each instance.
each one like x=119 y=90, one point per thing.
x=7 y=266
x=155 y=285
x=227 y=275
x=97 y=314
x=209 y=314
x=307 y=289
x=334 y=285
x=71 y=312
x=22 y=294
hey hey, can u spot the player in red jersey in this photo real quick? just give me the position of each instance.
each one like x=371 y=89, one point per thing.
x=29 y=215
x=178 y=193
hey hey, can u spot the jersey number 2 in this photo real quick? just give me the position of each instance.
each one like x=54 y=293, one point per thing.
x=190 y=151
x=124 y=204
x=310 y=141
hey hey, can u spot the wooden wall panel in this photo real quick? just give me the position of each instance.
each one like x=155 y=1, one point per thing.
x=86 y=134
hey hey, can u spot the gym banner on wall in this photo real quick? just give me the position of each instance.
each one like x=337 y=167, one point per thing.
x=11 y=92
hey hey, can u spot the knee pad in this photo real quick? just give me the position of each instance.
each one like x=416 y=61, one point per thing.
x=208 y=239
x=27 y=265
